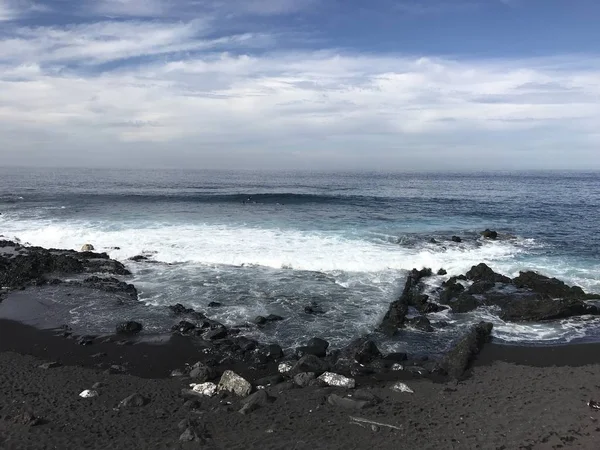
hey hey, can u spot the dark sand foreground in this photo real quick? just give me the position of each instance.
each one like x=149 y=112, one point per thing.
x=513 y=399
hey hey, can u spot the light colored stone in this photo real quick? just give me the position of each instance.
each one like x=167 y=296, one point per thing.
x=88 y=393
x=401 y=387
x=334 y=379
x=397 y=367
x=232 y=382
x=87 y=248
x=208 y=389
x=284 y=368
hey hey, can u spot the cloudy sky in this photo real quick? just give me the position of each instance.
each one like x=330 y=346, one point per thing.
x=328 y=84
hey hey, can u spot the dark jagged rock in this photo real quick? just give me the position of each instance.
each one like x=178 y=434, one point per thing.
x=482 y=272
x=396 y=356
x=456 y=239
x=216 y=333
x=489 y=234
x=303 y=379
x=138 y=258
x=259 y=399
x=442 y=272
x=551 y=287
x=85 y=340
x=180 y=310
x=318 y=342
x=130 y=327
x=184 y=327
x=309 y=363
x=480 y=287
x=450 y=289
x=271 y=380
x=457 y=361
x=261 y=320
x=537 y=308
x=202 y=373
x=214 y=305
x=309 y=350
x=111 y=285
x=464 y=303
x=412 y=295
x=421 y=323
x=360 y=351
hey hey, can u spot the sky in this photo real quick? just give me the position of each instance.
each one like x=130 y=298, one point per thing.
x=305 y=84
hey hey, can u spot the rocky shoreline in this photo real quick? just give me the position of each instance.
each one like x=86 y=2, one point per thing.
x=212 y=364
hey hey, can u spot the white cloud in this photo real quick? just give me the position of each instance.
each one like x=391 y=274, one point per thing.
x=194 y=102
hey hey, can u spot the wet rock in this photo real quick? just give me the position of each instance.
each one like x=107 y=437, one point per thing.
x=551 y=287
x=190 y=435
x=309 y=363
x=318 y=342
x=271 y=352
x=362 y=350
x=456 y=239
x=316 y=351
x=201 y=372
x=285 y=368
x=303 y=379
x=464 y=303
x=421 y=323
x=138 y=258
x=489 y=234
x=480 y=287
x=214 y=305
x=180 y=310
x=184 y=327
x=366 y=395
x=232 y=382
x=442 y=272
x=217 y=333
x=456 y=362
x=129 y=327
x=337 y=380
x=396 y=356
x=85 y=340
x=537 y=309
x=257 y=400
x=261 y=320
x=134 y=401
x=346 y=403
x=112 y=285
x=313 y=309
x=49 y=365
x=412 y=295
x=482 y=272
x=87 y=248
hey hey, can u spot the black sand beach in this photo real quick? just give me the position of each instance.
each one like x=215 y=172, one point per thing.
x=481 y=395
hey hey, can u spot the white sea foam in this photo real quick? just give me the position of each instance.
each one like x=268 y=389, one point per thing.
x=277 y=248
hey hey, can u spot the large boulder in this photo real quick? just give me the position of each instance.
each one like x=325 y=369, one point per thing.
x=361 y=351
x=456 y=362
x=232 y=382
x=551 y=287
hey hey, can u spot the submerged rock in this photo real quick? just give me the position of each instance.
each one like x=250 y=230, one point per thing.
x=489 y=234
x=232 y=382
x=457 y=361
x=130 y=327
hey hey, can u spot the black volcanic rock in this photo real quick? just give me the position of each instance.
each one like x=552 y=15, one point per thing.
x=456 y=362
x=130 y=327
x=551 y=287
x=489 y=234
x=482 y=272
x=456 y=239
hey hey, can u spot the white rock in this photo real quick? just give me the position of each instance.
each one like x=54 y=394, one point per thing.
x=334 y=379
x=87 y=248
x=284 y=367
x=396 y=367
x=232 y=382
x=88 y=393
x=208 y=389
x=401 y=387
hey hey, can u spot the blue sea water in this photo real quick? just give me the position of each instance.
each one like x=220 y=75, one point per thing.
x=273 y=242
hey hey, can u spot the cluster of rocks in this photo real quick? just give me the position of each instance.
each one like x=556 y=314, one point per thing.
x=529 y=297
x=22 y=266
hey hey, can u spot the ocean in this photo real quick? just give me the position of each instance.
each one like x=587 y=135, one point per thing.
x=273 y=242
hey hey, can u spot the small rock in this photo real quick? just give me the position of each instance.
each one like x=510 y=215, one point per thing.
x=214 y=304
x=99 y=355
x=88 y=393
x=313 y=309
x=456 y=239
x=284 y=367
x=232 y=382
x=85 y=340
x=318 y=342
x=365 y=395
x=49 y=365
x=189 y=435
x=255 y=401
x=129 y=327
x=401 y=387
x=87 y=248
x=303 y=379
x=489 y=234
x=273 y=352
x=346 y=403
x=97 y=385
x=442 y=272
x=309 y=363
x=206 y=389
x=133 y=401
x=27 y=418
x=202 y=373
x=337 y=380
x=217 y=333
x=177 y=373
x=115 y=370
x=319 y=352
